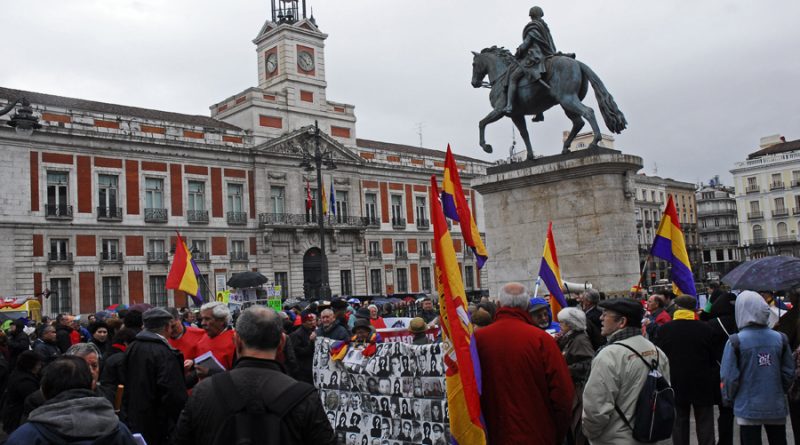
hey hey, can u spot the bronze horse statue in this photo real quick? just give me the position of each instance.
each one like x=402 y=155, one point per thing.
x=568 y=81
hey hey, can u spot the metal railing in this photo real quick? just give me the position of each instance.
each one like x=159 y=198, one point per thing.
x=111 y=257
x=784 y=239
x=425 y=254
x=757 y=241
x=109 y=213
x=402 y=255
x=776 y=185
x=755 y=215
x=59 y=211
x=300 y=220
x=201 y=257
x=372 y=221
x=197 y=216
x=423 y=224
x=752 y=189
x=157 y=257
x=375 y=255
x=237 y=218
x=155 y=215
x=54 y=258
x=780 y=212
x=399 y=223
x=239 y=257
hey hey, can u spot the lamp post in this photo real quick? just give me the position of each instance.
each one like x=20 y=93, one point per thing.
x=23 y=121
x=314 y=161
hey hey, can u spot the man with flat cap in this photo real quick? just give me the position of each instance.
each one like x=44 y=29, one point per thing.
x=618 y=373
x=154 y=380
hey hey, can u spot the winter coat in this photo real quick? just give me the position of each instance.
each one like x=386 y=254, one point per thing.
x=157 y=392
x=113 y=372
x=20 y=385
x=578 y=352
x=693 y=368
x=764 y=361
x=76 y=416
x=304 y=352
x=18 y=342
x=306 y=423
x=336 y=332
x=523 y=372
x=48 y=351
x=63 y=337
x=789 y=324
x=221 y=346
x=617 y=377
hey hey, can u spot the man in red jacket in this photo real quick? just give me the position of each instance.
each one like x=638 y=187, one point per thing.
x=216 y=318
x=527 y=391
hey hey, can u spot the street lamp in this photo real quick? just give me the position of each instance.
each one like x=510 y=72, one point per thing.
x=314 y=161
x=23 y=120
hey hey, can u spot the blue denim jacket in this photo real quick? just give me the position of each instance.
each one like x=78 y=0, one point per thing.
x=755 y=382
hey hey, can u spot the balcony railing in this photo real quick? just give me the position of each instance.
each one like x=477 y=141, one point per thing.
x=425 y=254
x=201 y=257
x=639 y=223
x=398 y=223
x=757 y=241
x=780 y=212
x=375 y=255
x=795 y=183
x=784 y=239
x=755 y=215
x=776 y=185
x=55 y=212
x=110 y=257
x=56 y=258
x=155 y=215
x=403 y=255
x=237 y=218
x=109 y=213
x=752 y=189
x=239 y=257
x=197 y=216
x=301 y=220
x=157 y=257
x=648 y=223
x=372 y=221
x=423 y=224
x=796 y=211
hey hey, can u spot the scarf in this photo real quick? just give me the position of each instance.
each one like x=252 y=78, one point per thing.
x=339 y=349
x=121 y=347
x=683 y=314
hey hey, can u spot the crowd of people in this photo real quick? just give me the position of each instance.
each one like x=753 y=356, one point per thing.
x=190 y=377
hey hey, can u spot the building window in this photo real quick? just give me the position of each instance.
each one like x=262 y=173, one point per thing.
x=110 y=251
x=156 y=245
x=342 y=211
x=374 y=249
x=758 y=232
x=400 y=248
x=346 y=282
x=375 y=281
x=469 y=277
x=198 y=246
x=235 y=194
x=780 y=206
x=783 y=231
x=424 y=248
x=61 y=302
x=112 y=291
x=422 y=212
x=237 y=250
x=203 y=289
x=59 y=249
x=154 y=193
x=282 y=280
x=276 y=196
x=107 y=194
x=755 y=207
x=197 y=197
x=397 y=210
x=158 y=290
x=402 y=280
x=425 y=278
x=57 y=193
x=371 y=209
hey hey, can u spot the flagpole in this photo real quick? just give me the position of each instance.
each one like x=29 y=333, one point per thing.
x=644 y=269
x=207 y=286
x=536 y=287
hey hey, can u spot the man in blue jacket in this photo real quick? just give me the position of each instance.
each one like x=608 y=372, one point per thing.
x=542 y=315
x=757 y=369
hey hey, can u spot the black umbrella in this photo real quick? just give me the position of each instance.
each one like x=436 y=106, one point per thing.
x=247 y=279
x=774 y=273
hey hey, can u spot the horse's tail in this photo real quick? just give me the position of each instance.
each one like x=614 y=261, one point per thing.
x=613 y=117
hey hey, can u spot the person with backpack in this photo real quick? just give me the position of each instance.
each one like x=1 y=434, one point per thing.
x=617 y=382
x=757 y=370
x=255 y=400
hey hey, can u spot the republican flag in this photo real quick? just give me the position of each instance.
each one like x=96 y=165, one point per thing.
x=309 y=204
x=462 y=368
x=550 y=273
x=456 y=208
x=333 y=199
x=670 y=246
x=324 y=200
x=184 y=272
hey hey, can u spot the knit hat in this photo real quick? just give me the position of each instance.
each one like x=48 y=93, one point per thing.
x=417 y=325
x=362 y=323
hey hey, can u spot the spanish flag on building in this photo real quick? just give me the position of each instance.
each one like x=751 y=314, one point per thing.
x=669 y=245
x=462 y=369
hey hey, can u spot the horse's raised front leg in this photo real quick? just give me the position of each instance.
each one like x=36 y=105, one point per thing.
x=494 y=116
x=522 y=127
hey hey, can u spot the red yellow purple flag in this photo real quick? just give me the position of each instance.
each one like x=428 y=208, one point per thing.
x=462 y=368
x=550 y=273
x=183 y=272
x=669 y=245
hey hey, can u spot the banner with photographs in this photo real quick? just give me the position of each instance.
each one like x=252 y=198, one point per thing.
x=395 y=397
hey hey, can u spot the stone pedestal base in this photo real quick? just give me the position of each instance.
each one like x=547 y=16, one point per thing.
x=588 y=196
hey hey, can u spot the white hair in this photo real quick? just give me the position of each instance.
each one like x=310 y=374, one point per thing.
x=513 y=295
x=372 y=306
x=574 y=317
x=218 y=310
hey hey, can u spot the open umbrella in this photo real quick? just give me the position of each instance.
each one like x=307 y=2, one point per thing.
x=246 y=279
x=773 y=273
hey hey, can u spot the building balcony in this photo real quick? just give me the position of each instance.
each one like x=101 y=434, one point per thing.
x=795 y=183
x=111 y=257
x=401 y=255
x=715 y=212
x=399 y=223
x=639 y=223
x=796 y=211
x=310 y=220
x=719 y=228
x=58 y=212
x=157 y=257
x=423 y=224
x=425 y=254
x=755 y=215
x=201 y=257
x=237 y=218
x=689 y=226
x=109 y=214
x=752 y=189
x=59 y=258
x=720 y=243
x=375 y=256
x=372 y=221
x=155 y=215
x=757 y=241
x=239 y=257
x=784 y=239
x=779 y=213
x=197 y=216
x=776 y=185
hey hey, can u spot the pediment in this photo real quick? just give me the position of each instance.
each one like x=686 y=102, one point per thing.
x=294 y=142
x=303 y=25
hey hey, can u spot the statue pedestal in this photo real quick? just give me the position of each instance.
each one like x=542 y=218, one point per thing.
x=588 y=195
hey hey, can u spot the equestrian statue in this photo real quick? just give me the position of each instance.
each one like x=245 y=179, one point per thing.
x=536 y=78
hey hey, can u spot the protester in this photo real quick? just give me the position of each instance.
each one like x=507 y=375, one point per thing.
x=542 y=316
x=91 y=355
x=46 y=345
x=18 y=340
x=113 y=373
x=374 y=318
x=133 y=320
x=757 y=369
x=99 y=332
x=689 y=346
x=617 y=374
x=23 y=381
x=723 y=323
x=523 y=372
x=419 y=328
x=218 y=339
x=330 y=327
x=588 y=301
x=577 y=349
x=154 y=377
x=480 y=318
x=428 y=313
x=64 y=331
x=304 y=340
x=789 y=324
x=72 y=411
x=776 y=308
x=257 y=376
x=656 y=316
x=184 y=338
x=669 y=302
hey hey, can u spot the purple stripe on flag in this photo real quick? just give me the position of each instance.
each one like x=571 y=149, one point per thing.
x=449 y=206
x=681 y=275
x=197 y=299
x=479 y=259
x=549 y=279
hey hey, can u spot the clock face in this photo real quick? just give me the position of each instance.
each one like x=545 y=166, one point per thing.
x=305 y=61
x=272 y=63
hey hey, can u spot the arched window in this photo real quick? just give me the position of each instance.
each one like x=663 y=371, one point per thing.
x=758 y=232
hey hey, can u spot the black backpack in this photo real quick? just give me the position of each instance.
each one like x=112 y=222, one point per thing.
x=256 y=419
x=654 y=417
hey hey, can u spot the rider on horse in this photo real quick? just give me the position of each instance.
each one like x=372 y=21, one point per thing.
x=536 y=46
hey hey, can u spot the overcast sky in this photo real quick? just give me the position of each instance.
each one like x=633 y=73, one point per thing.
x=699 y=82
